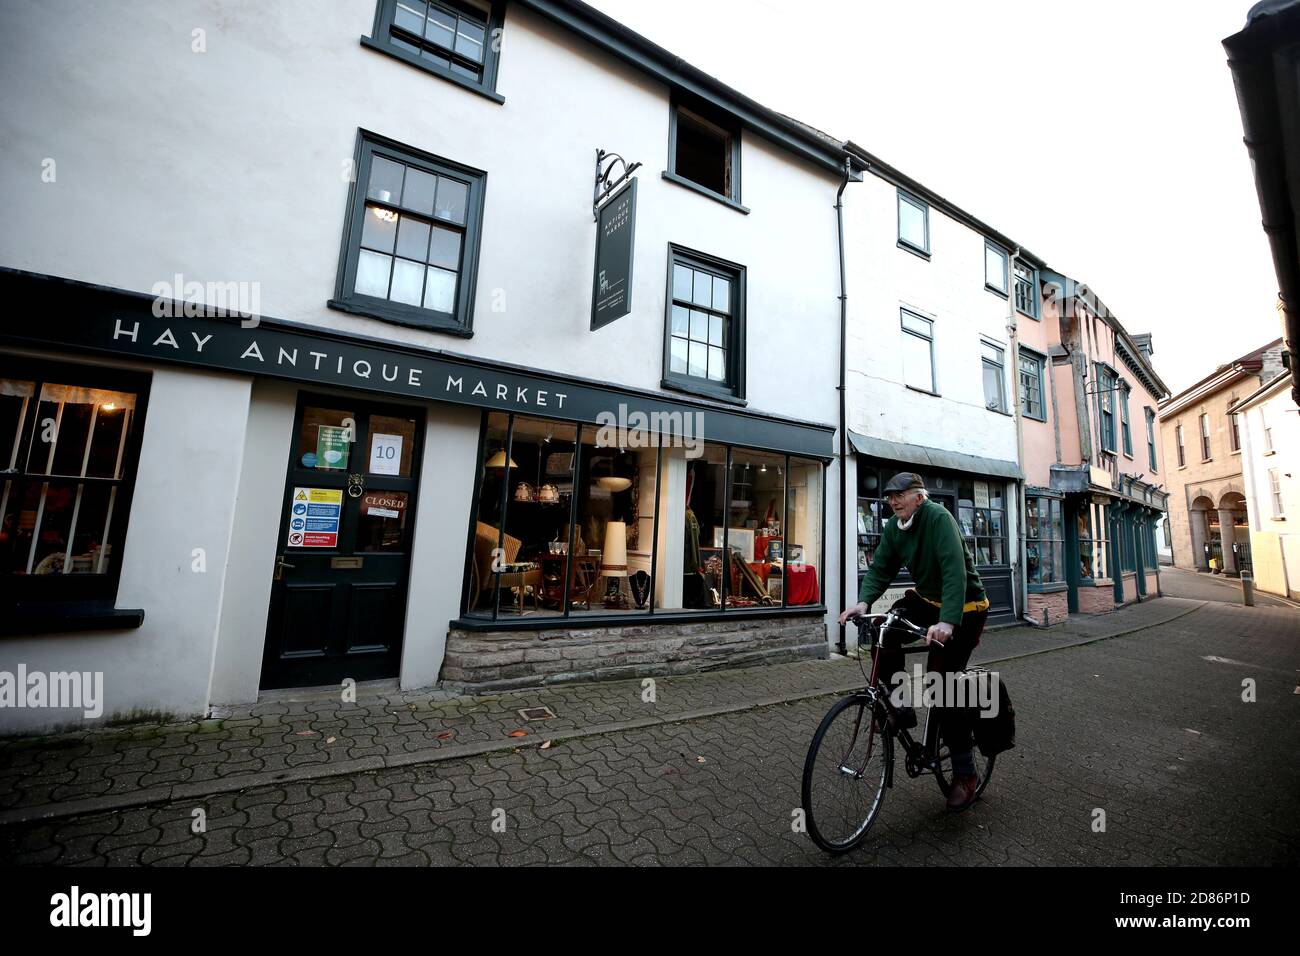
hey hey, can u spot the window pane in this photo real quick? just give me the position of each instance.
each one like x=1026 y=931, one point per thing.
x=440 y=290
x=453 y=198
x=677 y=355
x=992 y=386
x=441 y=28
x=372 y=274
x=721 y=294
x=499 y=468
x=381 y=525
x=995 y=269
x=311 y=438
x=911 y=223
x=717 y=365
x=434 y=58
x=916 y=324
x=699 y=360
x=385 y=180
x=682 y=283
x=391 y=440
x=681 y=320
x=15 y=398
x=444 y=250
x=412 y=238
x=715 y=330
x=111 y=429
x=703 y=154
x=916 y=363
x=379 y=229
x=703 y=289
x=410 y=15
x=699 y=326
x=418 y=194
x=469 y=40
x=408 y=282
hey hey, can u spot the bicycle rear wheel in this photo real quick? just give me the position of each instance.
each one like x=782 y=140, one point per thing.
x=843 y=785
x=943 y=766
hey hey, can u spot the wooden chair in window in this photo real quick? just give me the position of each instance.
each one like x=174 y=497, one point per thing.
x=485 y=540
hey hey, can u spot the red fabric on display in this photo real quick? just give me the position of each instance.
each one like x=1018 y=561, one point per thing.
x=801 y=585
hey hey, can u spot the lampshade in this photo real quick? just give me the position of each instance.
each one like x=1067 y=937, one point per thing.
x=499 y=460
x=613 y=557
x=614 y=483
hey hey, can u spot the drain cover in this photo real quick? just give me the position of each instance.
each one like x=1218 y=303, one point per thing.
x=537 y=713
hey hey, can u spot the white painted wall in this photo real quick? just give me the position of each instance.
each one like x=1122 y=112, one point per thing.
x=948 y=288
x=230 y=165
x=184 y=499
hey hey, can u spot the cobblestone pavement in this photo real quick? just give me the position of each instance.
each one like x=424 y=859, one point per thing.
x=1175 y=582
x=314 y=735
x=1145 y=727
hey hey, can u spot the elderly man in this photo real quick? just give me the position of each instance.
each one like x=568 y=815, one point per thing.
x=948 y=598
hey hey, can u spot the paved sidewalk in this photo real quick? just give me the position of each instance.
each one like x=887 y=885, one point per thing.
x=313 y=737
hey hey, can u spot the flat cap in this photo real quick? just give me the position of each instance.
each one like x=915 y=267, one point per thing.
x=904 y=481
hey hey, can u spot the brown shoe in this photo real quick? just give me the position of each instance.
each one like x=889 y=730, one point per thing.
x=962 y=794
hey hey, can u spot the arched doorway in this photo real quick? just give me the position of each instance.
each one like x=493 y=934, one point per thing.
x=1234 y=533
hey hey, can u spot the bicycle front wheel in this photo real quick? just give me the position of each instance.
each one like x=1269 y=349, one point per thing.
x=845 y=775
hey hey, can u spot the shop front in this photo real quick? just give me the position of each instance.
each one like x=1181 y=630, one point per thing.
x=317 y=507
x=1103 y=542
x=979 y=492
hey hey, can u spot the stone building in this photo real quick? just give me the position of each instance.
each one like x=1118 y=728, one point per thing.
x=1202 y=456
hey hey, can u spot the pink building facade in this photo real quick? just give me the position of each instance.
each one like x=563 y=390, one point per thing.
x=1091 y=456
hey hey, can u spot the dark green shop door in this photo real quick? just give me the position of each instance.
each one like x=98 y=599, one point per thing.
x=343 y=553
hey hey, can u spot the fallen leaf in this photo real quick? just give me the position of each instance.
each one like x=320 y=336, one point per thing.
x=330 y=740
x=304 y=733
x=546 y=745
x=447 y=735
x=517 y=733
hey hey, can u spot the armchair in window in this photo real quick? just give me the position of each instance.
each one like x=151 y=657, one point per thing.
x=485 y=541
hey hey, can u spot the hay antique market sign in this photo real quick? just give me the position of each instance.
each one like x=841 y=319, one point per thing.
x=66 y=316
x=611 y=296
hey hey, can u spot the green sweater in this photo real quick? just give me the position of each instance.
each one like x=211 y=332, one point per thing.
x=933 y=550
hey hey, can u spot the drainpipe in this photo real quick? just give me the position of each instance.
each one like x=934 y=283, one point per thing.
x=844 y=435
x=1013 y=335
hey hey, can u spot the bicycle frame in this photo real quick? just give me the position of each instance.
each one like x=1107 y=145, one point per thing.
x=920 y=756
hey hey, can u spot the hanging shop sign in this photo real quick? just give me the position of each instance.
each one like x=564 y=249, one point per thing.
x=611 y=295
x=314 y=518
x=114 y=322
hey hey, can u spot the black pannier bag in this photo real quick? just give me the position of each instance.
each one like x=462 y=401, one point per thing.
x=994 y=731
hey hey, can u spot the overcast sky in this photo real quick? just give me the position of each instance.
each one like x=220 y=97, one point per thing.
x=1102 y=135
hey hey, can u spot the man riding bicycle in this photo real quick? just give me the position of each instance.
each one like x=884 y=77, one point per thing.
x=948 y=598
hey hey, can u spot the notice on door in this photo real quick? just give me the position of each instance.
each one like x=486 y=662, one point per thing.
x=385 y=454
x=332 y=446
x=314 y=517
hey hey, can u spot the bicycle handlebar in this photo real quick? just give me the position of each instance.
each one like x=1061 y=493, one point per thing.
x=893 y=619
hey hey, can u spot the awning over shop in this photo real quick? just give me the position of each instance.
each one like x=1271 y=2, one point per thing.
x=934 y=457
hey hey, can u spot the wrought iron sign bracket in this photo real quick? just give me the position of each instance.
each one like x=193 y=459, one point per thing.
x=605 y=163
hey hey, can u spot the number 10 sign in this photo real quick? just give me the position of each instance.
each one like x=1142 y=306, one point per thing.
x=385 y=454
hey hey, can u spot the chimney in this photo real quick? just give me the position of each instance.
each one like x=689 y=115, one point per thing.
x=1143 y=342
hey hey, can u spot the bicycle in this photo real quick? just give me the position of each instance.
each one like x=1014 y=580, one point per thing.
x=840 y=758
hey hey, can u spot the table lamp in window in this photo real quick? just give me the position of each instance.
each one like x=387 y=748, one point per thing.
x=613 y=562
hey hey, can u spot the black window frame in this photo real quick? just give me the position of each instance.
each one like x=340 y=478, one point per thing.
x=1182 y=448
x=1107 y=385
x=56 y=596
x=1204 y=430
x=1234 y=429
x=459 y=323
x=924 y=207
x=725 y=124
x=1050 y=569
x=1126 y=431
x=1151 y=437
x=734 y=389
x=1031 y=294
x=1038 y=362
x=1004 y=291
x=385 y=30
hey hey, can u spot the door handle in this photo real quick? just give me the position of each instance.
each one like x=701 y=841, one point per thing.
x=280 y=565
